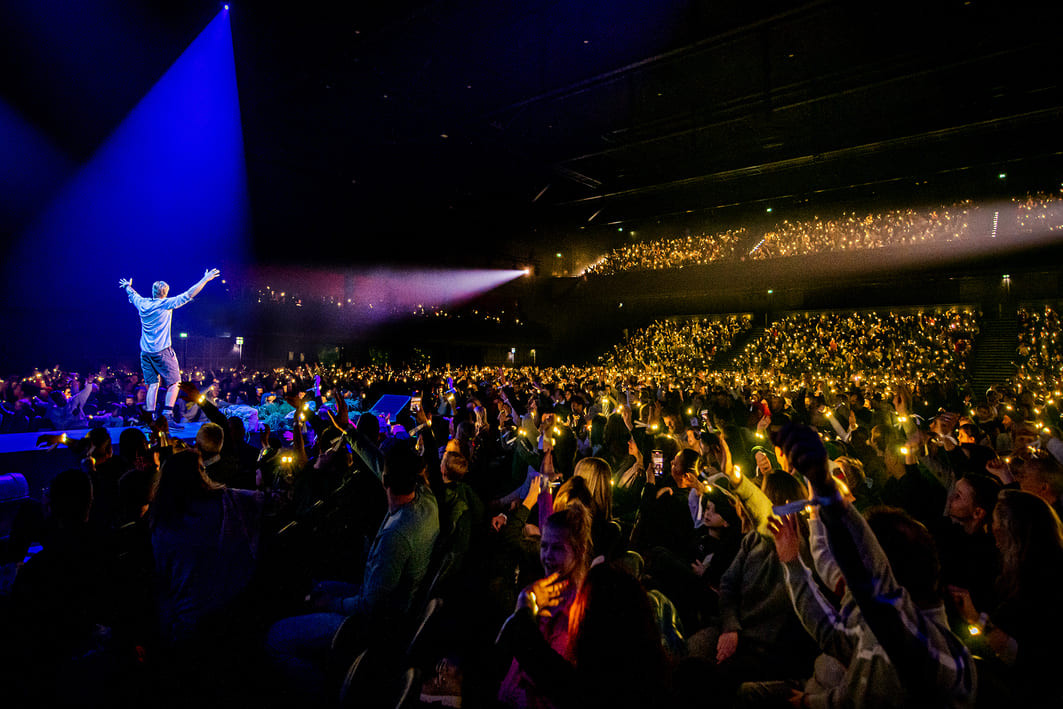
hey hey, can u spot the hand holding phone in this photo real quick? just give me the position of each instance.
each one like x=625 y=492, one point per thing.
x=657 y=457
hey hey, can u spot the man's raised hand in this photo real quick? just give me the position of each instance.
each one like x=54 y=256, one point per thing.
x=125 y=282
x=210 y=274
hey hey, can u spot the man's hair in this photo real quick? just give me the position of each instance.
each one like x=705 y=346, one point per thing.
x=100 y=438
x=237 y=427
x=209 y=439
x=1047 y=470
x=402 y=467
x=456 y=465
x=986 y=490
x=369 y=426
x=132 y=442
x=160 y=289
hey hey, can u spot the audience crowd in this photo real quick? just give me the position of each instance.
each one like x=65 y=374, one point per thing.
x=962 y=221
x=837 y=521
x=1040 y=351
x=688 y=344
x=911 y=346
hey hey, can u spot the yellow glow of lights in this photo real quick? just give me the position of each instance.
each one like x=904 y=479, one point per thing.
x=904 y=450
x=201 y=399
x=974 y=630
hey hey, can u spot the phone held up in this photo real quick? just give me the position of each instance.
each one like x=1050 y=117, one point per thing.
x=657 y=457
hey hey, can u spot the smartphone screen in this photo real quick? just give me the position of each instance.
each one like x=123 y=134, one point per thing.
x=415 y=404
x=658 y=462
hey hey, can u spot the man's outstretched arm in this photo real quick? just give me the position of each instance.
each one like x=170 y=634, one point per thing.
x=127 y=285
x=208 y=276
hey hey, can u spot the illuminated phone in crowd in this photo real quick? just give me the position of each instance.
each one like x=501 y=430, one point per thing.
x=415 y=404
x=658 y=462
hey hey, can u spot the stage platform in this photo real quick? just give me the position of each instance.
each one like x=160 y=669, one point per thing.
x=19 y=453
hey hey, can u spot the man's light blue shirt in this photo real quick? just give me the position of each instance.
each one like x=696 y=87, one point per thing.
x=155 y=317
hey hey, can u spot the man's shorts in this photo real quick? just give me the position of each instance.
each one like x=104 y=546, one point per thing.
x=164 y=364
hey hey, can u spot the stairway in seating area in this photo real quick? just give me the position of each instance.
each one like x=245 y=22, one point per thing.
x=725 y=358
x=994 y=353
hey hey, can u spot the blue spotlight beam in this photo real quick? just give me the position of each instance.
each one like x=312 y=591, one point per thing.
x=163 y=198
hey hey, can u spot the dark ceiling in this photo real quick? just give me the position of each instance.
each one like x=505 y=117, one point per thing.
x=491 y=132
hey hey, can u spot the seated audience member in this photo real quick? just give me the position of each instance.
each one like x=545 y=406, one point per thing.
x=205 y=539
x=105 y=470
x=461 y=511
x=245 y=454
x=595 y=478
x=969 y=557
x=613 y=656
x=759 y=635
x=380 y=606
x=664 y=519
x=66 y=412
x=1042 y=475
x=692 y=580
x=222 y=469
x=890 y=635
x=1022 y=630
x=564 y=552
x=365 y=441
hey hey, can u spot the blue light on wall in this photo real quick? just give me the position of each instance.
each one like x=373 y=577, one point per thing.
x=32 y=170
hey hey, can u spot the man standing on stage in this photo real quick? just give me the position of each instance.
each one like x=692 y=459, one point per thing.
x=156 y=354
